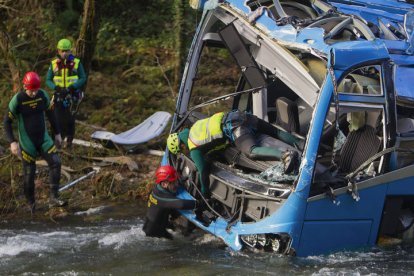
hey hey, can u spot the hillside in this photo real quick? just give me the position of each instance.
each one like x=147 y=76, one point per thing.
x=131 y=77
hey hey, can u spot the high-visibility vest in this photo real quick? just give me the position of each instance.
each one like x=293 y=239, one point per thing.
x=206 y=130
x=66 y=74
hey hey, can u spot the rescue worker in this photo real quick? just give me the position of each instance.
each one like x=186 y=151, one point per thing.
x=29 y=108
x=66 y=77
x=163 y=202
x=237 y=128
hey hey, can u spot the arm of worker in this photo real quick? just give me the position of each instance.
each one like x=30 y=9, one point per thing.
x=53 y=122
x=49 y=78
x=14 y=146
x=9 y=118
x=176 y=203
x=81 y=78
x=8 y=128
x=7 y=123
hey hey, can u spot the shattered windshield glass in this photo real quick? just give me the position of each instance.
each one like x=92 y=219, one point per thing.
x=275 y=174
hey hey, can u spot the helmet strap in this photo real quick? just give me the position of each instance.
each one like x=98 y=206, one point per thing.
x=164 y=184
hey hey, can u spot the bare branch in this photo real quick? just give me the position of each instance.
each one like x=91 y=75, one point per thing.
x=6 y=46
x=165 y=76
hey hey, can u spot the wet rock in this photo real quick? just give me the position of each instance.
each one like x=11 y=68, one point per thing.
x=94 y=211
x=57 y=213
x=118 y=177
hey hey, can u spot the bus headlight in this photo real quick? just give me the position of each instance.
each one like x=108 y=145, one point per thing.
x=278 y=243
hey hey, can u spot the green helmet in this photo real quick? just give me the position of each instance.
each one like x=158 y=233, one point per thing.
x=64 y=44
x=173 y=143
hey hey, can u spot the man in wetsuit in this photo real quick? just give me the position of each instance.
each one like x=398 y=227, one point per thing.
x=163 y=202
x=28 y=108
x=66 y=77
x=237 y=128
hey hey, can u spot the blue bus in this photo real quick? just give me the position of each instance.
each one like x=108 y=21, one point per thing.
x=338 y=76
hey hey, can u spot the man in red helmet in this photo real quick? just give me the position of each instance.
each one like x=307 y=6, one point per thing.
x=29 y=108
x=163 y=202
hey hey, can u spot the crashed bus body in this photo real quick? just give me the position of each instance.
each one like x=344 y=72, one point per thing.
x=339 y=77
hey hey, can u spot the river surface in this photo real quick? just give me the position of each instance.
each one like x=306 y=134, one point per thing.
x=116 y=245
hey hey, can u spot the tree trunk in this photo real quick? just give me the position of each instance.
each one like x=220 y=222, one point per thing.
x=85 y=45
x=179 y=41
x=11 y=60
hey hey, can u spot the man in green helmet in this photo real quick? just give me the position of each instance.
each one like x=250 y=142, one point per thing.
x=66 y=77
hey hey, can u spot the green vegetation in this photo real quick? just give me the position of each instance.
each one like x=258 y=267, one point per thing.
x=133 y=64
x=139 y=49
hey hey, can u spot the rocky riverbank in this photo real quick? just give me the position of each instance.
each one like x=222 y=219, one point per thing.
x=119 y=179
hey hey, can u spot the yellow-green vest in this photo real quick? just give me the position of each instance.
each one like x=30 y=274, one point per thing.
x=206 y=130
x=64 y=77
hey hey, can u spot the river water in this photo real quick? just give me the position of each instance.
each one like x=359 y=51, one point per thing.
x=116 y=245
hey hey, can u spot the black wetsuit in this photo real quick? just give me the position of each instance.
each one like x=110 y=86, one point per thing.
x=161 y=204
x=34 y=139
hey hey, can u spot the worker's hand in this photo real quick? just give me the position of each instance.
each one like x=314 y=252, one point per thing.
x=61 y=92
x=58 y=140
x=15 y=149
x=58 y=89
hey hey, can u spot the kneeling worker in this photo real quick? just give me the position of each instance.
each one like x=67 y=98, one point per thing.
x=163 y=202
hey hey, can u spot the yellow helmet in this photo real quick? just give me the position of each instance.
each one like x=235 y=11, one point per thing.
x=173 y=143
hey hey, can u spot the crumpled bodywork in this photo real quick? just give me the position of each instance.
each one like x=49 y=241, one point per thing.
x=335 y=60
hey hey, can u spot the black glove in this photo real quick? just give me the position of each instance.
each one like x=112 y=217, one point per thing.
x=76 y=94
x=71 y=90
x=60 y=94
x=57 y=97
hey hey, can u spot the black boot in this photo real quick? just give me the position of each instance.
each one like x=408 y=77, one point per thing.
x=68 y=144
x=54 y=200
x=31 y=206
x=29 y=170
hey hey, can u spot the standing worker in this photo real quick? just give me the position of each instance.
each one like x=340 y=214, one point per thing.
x=163 y=202
x=66 y=77
x=28 y=108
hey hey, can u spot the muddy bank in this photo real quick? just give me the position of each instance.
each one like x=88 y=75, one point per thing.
x=125 y=180
x=120 y=181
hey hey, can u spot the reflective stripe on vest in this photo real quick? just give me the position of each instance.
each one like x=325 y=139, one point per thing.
x=64 y=77
x=206 y=130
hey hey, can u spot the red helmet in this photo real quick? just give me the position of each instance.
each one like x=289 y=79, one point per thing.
x=31 y=81
x=165 y=173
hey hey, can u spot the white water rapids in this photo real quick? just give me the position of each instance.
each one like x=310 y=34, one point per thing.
x=119 y=247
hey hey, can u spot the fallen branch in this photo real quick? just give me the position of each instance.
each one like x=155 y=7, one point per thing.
x=90 y=126
x=43 y=163
x=121 y=160
x=87 y=144
x=165 y=76
x=74 y=182
x=154 y=152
